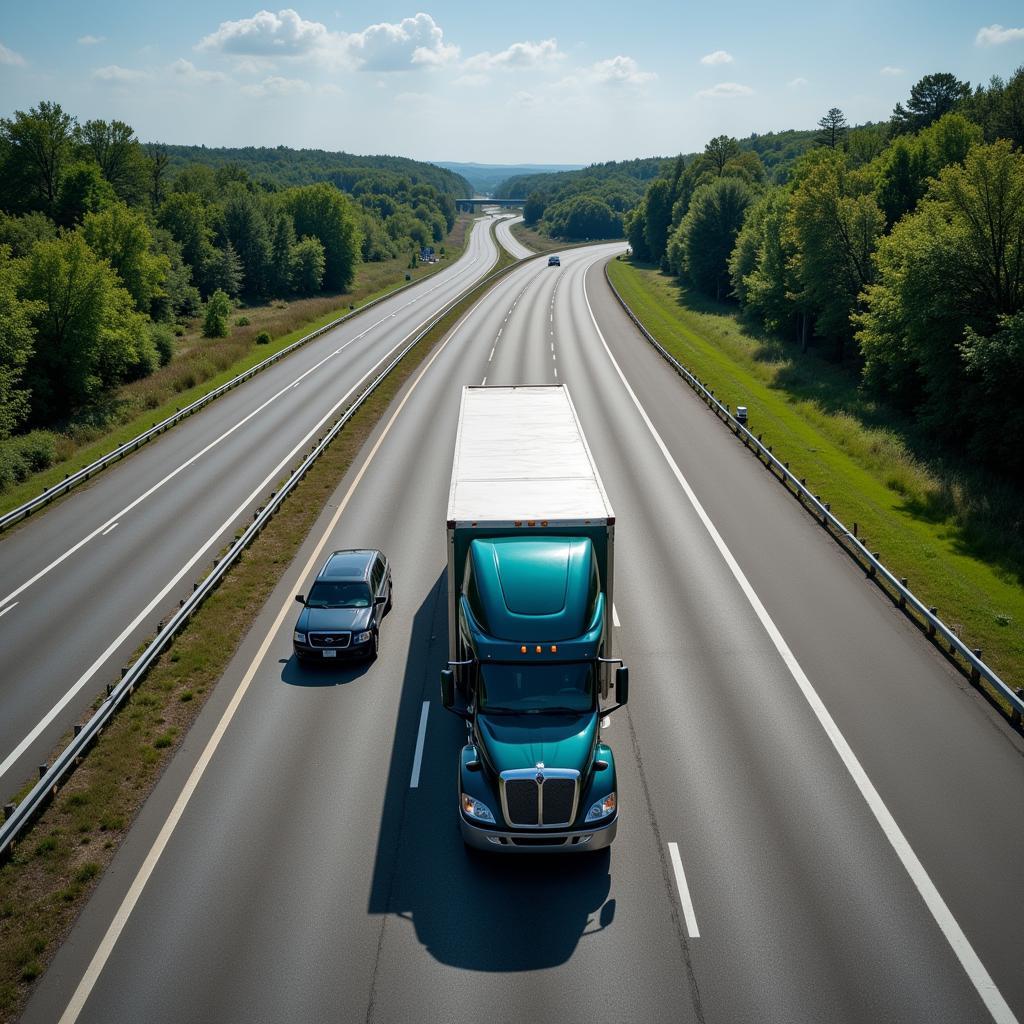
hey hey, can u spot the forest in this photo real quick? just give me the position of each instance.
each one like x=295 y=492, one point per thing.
x=897 y=248
x=108 y=245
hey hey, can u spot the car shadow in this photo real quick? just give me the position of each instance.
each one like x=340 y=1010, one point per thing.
x=296 y=673
x=469 y=909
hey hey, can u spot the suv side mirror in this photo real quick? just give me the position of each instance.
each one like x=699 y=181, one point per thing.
x=447 y=688
x=380 y=599
x=622 y=684
x=301 y=598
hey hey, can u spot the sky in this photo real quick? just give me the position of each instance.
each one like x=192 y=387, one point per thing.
x=530 y=82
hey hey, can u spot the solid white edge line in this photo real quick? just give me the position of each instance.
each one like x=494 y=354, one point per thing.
x=684 y=892
x=954 y=934
x=109 y=940
x=75 y=687
x=414 y=779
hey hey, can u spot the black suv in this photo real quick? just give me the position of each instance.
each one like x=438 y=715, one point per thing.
x=341 y=616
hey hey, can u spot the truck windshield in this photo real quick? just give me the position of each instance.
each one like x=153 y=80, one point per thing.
x=531 y=688
x=338 y=594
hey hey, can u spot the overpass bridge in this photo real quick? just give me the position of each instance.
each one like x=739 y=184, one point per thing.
x=471 y=205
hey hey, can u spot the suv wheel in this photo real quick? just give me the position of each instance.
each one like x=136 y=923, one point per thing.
x=387 y=606
x=374 y=646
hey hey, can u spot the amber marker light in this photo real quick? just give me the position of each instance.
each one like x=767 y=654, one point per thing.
x=537 y=649
x=522 y=650
x=554 y=648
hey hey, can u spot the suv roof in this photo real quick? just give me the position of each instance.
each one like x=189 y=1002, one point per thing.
x=348 y=565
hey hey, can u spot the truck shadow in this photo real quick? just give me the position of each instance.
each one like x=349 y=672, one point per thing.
x=295 y=673
x=470 y=910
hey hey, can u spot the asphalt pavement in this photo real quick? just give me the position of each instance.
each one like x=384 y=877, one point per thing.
x=820 y=820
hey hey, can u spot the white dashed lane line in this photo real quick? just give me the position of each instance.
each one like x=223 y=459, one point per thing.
x=110 y=529
x=4 y=611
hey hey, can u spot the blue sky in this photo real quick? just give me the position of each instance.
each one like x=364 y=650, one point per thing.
x=521 y=83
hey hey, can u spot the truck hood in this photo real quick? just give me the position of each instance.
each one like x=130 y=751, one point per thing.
x=524 y=741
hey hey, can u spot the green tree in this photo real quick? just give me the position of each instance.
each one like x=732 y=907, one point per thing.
x=215 y=317
x=186 y=216
x=223 y=271
x=704 y=241
x=832 y=128
x=37 y=148
x=83 y=189
x=156 y=173
x=930 y=98
x=16 y=344
x=89 y=336
x=307 y=265
x=321 y=211
x=658 y=217
x=245 y=227
x=634 y=224
x=21 y=233
x=117 y=153
x=719 y=151
x=282 y=239
x=122 y=237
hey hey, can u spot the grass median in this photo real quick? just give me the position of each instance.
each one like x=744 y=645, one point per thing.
x=58 y=862
x=864 y=469
x=201 y=365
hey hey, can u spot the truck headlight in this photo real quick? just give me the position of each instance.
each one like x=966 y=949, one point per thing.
x=602 y=808
x=300 y=638
x=473 y=808
x=361 y=638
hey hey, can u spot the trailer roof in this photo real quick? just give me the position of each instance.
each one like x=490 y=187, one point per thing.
x=520 y=455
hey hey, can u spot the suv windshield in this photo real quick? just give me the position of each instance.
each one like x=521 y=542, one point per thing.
x=338 y=594
x=566 y=686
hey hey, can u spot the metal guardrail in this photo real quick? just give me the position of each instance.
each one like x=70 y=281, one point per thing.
x=898 y=590
x=74 y=479
x=20 y=817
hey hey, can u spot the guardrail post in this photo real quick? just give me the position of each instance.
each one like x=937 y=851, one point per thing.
x=931 y=625
x=975 y=673
x=1015 y=715
x=903 y=597
x=9 y=809
x=43 y=768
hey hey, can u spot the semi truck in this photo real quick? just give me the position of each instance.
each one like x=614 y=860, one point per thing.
x=531 y=542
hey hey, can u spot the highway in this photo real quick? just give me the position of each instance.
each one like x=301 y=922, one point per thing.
x=820 y=820
x=84 y=583
x=509 y=241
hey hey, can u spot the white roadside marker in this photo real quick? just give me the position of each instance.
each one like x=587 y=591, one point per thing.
x=948 y=925
x=684 y=892
x=417 y=760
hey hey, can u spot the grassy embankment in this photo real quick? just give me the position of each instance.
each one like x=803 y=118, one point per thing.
x=534 y=239
x=199 y=365
x=952 y=536
x=58 y=862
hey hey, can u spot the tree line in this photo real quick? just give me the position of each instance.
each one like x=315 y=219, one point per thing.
x=107 y=245
x=899 y=246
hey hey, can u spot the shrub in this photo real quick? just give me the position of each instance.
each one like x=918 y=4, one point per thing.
x=242 y=321
x=215 y=320
x=263 y=338
x=163 y=340
x=23 y=455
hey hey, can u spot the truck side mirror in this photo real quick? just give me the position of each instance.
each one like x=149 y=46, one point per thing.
x=622 y=684
x=447 y=688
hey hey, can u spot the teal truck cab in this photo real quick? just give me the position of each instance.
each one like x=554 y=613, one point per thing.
x=530 y=570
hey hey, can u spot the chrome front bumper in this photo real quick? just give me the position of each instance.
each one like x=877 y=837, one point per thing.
x=522 y=841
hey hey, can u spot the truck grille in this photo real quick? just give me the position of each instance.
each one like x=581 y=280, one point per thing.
x=339 y=641
x=539 y=797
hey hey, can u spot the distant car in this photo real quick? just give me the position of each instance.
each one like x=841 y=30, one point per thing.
x=554 y=261
x=342 y=614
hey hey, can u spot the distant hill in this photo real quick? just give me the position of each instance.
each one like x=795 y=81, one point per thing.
x=485 y=178
x=558 y=185
x=285 y=166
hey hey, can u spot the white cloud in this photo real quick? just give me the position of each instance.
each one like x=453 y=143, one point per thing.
x=115 y=73
x=275 y=85
x=994 y=35
x=525 y=56
x=186 y=70
x=523 y=99
x=726 y=91
x=471 y=81
x=394 y=47
x=90 y=40
x=266 y=34
x=892 y=72
x=718 y=57
x=797 y=83
x=621 y=71
x=10 y=57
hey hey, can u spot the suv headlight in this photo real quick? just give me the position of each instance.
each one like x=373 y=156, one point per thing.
x=473 y=808
x=300 y=638
x=602 y=808
x=361 y=638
